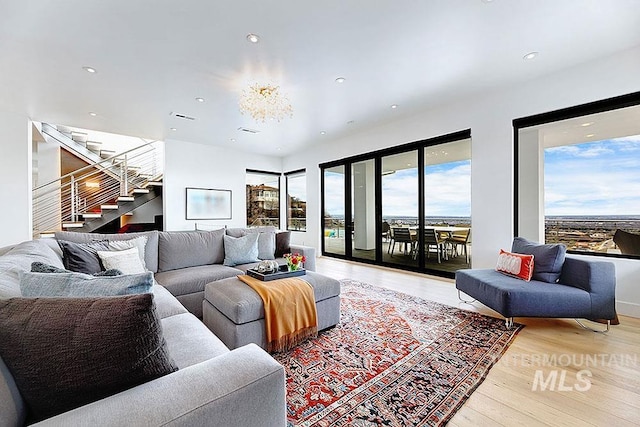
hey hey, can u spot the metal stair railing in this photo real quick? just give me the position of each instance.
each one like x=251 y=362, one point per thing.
x=84 y=190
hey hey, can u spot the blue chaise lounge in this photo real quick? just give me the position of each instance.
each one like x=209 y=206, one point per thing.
x=561 y=287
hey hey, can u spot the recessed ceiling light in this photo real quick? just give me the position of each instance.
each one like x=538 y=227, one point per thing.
x=586 y=124
x=340 y=80
x=173 y=129
x=278 y=148
x=200 y=99
x=530 y=56
x=253 y=38
x=89 y=70
x=487 y=1
x=232 y=140
x=394 y=106
x=322 y=132
x=590 y=135
x=92 y=114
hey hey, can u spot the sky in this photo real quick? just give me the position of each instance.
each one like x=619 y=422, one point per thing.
x=448 y=191
x=593 y=178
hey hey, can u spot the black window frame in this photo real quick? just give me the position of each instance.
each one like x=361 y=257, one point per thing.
x=287 y=175
x=262 y=172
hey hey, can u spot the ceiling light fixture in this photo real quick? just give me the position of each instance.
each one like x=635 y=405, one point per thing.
x=394 y=106
x=590 y=135
x=173 y=129
x=264 y=101
x=92 y=114
x=340 y=80
x=89 y=70
x=232 y=140
x=253 y=38
x=322 y=132
x=200 y=99
x=529 y=56
x=586 y=124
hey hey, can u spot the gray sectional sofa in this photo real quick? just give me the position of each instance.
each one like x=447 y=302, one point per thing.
x=213 y=386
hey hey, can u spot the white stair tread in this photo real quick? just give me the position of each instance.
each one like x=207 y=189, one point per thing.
x=140 y=191
x=73 y=224
x=47 y=235
x=94 y=143
x=126 y=199
x=91 y=215
x=106 y=207
x=155 y=183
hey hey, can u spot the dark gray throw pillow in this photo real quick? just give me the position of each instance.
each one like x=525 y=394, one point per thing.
x=67 y=352
x=40 y=267
x=547 y=259
x=82 y=257
x=283 y=243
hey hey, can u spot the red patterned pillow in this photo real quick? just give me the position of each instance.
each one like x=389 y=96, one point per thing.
x=516 y=265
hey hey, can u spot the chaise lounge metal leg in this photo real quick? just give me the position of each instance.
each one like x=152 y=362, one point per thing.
x=464 y=300
x=508 y=322
x=594 y=330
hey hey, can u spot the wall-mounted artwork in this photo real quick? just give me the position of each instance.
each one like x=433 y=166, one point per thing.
x=207 y=203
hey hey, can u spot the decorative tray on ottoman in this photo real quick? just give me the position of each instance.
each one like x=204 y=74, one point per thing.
x=283 y=273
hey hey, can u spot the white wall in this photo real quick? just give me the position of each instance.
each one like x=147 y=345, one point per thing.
x=15 y=178
x=196 y=165
x=490 y=118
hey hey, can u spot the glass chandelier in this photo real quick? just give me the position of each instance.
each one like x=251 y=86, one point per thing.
x=264 y=101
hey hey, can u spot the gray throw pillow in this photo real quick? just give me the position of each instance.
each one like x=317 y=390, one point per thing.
x=240 y=250
x=40 y=267
x=547 y=259
x=67 y=352
x=82 y=257
x=83 y=285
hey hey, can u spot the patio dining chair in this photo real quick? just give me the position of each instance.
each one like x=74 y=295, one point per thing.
x=460 y=239
x=401 y=235
x=433 y=239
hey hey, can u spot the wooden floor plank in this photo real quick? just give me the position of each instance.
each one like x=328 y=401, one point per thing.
x=506 y=398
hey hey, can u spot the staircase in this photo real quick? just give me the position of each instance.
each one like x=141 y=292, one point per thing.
x=110 y=186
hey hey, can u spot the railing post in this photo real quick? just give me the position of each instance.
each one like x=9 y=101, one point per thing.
x=73 y=190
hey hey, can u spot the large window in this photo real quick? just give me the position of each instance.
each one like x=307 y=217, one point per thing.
x=263 y=198
x=579 y=179
x=407 y=206
x=296 y=200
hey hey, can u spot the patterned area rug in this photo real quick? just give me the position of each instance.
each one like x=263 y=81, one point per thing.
x=394 y=360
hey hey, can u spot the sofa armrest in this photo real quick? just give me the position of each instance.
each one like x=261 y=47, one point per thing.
x=309 y=252
x=245 y=387
x=596 y=277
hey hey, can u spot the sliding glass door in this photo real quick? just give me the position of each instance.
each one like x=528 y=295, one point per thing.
x=406 y=207
x=333 y=216
x=400 y=207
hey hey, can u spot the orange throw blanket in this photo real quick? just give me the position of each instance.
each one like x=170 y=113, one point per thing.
x=290 y=315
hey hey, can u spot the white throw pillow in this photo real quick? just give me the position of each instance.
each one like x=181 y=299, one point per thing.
x=128 y=261
x=138 y=242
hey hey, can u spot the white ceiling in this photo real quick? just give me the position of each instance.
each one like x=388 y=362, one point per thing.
x=155 y=57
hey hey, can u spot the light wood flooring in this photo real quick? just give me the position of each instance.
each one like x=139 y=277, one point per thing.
x=610 y=397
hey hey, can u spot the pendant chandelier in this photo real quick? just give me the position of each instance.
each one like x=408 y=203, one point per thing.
x=264 y=101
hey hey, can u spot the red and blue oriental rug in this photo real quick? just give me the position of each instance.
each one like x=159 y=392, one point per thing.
x=394 y=360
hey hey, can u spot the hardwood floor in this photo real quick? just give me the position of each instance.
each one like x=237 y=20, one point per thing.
x=600 y=373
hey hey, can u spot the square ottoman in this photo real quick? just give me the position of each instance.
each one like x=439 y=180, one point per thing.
x=234 y=312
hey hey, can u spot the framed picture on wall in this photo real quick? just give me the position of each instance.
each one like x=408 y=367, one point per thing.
x=208 y=203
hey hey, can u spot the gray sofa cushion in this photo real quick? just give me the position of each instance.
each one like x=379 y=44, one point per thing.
x=83 y=285
x=18 y=259
x=192 y=279
x=67 y=352
x=189 y=341
x=166 y=304
x=547 y=259
x=239 y=232
x=189 y=249
x=150 y=251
